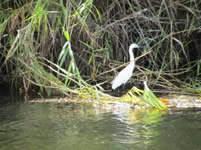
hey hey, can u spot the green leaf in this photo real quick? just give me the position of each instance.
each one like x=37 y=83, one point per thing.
x=150 y=98
x=66 y=34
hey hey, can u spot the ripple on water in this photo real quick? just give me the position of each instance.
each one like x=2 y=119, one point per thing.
x=74 y=126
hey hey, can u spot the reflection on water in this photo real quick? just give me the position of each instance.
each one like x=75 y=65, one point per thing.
x=51 y=126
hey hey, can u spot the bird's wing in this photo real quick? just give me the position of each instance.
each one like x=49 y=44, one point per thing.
x=123 y=76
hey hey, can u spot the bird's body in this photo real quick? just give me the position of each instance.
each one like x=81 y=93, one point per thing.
x=127 y=72
x=121 y=78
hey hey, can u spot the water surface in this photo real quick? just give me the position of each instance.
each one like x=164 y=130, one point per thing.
x=68 y=126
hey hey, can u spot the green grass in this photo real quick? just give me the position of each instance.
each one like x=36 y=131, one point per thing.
x=80 y=44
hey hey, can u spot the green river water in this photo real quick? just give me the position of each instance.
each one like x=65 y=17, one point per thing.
x=68 y=126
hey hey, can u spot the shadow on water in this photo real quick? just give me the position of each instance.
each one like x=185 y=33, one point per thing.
x=8 y=94
x=69 y=126
x=4 y=93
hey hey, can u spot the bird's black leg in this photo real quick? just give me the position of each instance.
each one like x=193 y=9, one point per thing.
x=123 y=86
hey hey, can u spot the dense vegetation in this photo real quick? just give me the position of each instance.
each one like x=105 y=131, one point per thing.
x=49 y=47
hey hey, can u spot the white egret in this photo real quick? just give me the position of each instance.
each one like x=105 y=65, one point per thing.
x=127 y=72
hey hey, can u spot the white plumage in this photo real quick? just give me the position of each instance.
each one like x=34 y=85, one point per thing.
x=127 y=72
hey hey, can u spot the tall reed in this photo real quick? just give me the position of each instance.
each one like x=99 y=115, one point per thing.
x=74 y=44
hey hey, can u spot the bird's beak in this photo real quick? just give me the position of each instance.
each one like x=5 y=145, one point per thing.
x=141 y=46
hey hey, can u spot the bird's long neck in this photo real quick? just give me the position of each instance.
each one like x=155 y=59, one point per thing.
x=131 y=54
